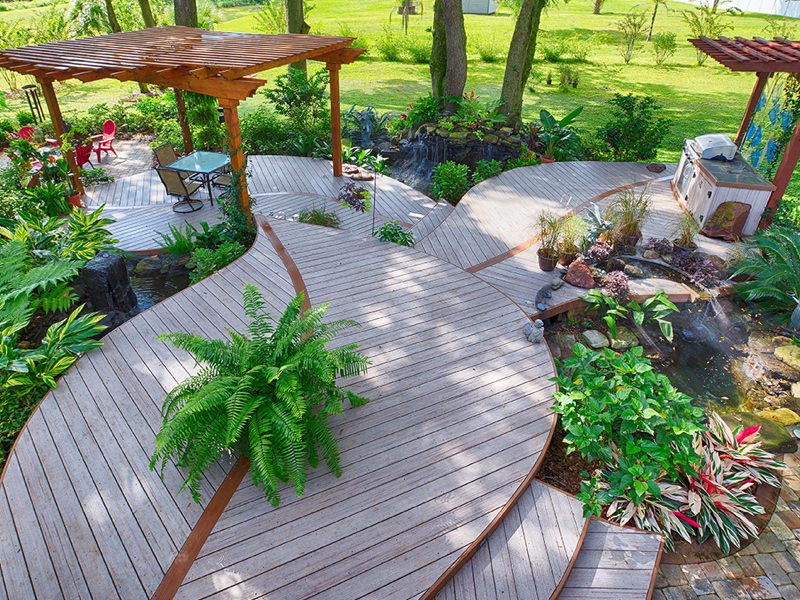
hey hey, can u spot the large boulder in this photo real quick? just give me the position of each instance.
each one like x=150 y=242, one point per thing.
x=727 y=222
x=782 y=416
x=580 y=275
x=105 y=287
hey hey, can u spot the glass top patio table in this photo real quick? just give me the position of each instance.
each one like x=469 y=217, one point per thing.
x=201 y=162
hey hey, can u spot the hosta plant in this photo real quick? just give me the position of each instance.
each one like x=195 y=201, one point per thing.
x=267 y=394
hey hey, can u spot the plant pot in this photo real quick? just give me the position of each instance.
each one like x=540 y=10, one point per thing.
x=547 y=260
x=546 y=160
x=566 y=258
x=75 y=200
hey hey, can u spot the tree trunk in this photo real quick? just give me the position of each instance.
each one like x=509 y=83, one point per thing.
x=296 y=23
x=520 y=59
x=652 y=22
x=147 y=13
x=598 y=4
x=113 y=22
x=449 y=50
x=185 y=13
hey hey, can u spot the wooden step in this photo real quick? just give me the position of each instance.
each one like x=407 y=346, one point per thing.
x=614 y=563
x=528 y=554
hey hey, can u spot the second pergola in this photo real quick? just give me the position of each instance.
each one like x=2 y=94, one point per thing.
x=215 y=63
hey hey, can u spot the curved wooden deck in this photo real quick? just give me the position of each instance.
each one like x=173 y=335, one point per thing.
x=459 y=417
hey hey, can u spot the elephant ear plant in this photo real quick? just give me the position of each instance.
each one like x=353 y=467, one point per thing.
x=267 y=394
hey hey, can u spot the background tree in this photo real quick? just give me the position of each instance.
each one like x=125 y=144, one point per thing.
x=449 y=51
x=598 y=5
x=656 y=4
x=185 y=12
x=147 y=13
x=520 y=58
x=296 y=23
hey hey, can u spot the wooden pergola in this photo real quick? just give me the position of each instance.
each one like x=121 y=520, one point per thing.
x=764 y=58
x=215 y=63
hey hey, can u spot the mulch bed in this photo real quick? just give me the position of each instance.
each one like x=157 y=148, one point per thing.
x=561 y=470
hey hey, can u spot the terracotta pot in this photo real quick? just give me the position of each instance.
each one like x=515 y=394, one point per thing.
x=547 y=261
x=546 y=160
x=75 y=200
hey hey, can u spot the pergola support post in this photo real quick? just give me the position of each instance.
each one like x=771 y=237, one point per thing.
x=58 y=127
x=783 y=175
x=755 y=96
x=239 y=176
x=186 y=133
x=336 y=119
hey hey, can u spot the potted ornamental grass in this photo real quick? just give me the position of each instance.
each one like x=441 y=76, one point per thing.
x=549 y=227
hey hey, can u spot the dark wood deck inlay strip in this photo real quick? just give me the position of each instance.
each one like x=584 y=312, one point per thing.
x=180 y=566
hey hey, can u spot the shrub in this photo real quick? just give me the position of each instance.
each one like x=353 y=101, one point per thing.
x=423 y=110
x=180 y=239
x=788 y=213
x=450 y=181
x=664 y=46
x=554 y=49
x=267 y=393
x=635 y=130
x=771 y=261
x=418 y=49
x=50 y=197
x=206 y=261
x=616 y=409
x=392 y=231
x=319 y=217
x=364 y=127
x=263 y=132
x=486 y=169
x=631 y=27
x=301 y=99
x=488 y=49
x=526 y=158
x=389 y=46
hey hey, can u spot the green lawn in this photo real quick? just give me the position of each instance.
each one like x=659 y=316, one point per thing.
x=699 y=99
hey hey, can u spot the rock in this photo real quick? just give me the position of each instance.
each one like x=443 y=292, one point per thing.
x=148 y=266
x=567 y=341
x=103 y=285
x=782 y=416
x=614 y=264
x=633 y=271
x=796 y=389
x=727 y=221
x=595 y=339
x=651 y=255
x=625 y=339
x=794 y=320
x=556 y=282
x=774 y=437
x=789 y=354
x=580 y=275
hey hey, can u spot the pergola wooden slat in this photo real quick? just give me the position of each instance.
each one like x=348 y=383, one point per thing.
x=216 y=63
x=762 y=57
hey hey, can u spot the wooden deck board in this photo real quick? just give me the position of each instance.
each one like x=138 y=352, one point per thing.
x=460 y=412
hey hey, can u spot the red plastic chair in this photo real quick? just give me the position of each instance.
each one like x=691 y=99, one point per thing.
x=26 y=133
x=105 y=141
x=83 y=155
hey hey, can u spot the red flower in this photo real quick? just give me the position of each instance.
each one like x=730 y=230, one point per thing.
x=748 y=434
x=683 y=517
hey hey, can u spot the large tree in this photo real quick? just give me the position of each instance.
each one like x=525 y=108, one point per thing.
x=147 y=13
x=296 y=23
x=449 y=51
x=520 y=59
x=185 y=12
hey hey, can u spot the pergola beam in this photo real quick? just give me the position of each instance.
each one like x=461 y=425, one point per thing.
x=58 y=127
x=750 y=109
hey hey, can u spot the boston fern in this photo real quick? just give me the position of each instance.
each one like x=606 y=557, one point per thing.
x=267 y=394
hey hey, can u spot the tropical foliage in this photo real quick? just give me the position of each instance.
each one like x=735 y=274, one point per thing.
x=771 y=263
x=656 y=309
x=661 y=468
x=392 y=231
x=268 y=393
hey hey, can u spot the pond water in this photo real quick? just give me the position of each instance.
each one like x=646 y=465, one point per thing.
x=151 y=288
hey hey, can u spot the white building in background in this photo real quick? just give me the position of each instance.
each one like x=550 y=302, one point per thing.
x=481 y=7
x=783 y=8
